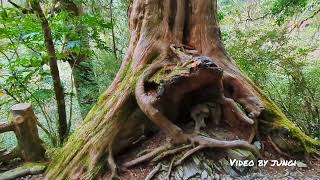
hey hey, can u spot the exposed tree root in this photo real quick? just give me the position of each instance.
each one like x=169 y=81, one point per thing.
x=203 y=142
x=189 y=153
x=213 y=143
x=170 y=152
x=154 y=172
x=277 y=149
x=143 y=152
x=146 y=157
x=231 y=108
x=170 y=168
x=201 y=72
x=239 y=92
x=145 y=103
x=254 y=133
x=113 y=166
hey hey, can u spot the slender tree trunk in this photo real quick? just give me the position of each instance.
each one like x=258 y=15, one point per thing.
x=114 y=47
x=175 y=60
x=58 y=89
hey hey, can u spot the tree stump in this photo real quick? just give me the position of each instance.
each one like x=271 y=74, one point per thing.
x=25 y=128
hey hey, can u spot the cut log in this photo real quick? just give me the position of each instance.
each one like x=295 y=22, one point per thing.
x=25 y=128
x=6 y=156
x=5 y=127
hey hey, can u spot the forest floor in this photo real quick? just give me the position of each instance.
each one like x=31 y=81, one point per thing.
x=311 y=171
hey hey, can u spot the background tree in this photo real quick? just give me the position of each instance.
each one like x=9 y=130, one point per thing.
x=58 y=89
x=77 y=52
x=279 y=59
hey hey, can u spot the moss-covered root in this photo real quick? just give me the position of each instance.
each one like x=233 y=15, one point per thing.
x=83 y=154
x=283 y=133
x=112 y=165
x=25 y=169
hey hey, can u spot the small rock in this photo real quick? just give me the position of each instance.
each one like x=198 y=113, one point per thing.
x=240 y=154
x=301 y=164
x=204 y=175
x=196 y=160
x=226 y=177
x=227 y=168
x=267 y=154
x=257 y=144
x=286 y=174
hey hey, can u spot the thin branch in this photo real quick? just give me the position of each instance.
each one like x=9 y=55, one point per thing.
x=32 y=49
x=304 y=20
x=47 y=117
x=112 y=31
x=269 y=13
x=14 y=4
x=71 y=97
x=22 y=9
x=11 y=95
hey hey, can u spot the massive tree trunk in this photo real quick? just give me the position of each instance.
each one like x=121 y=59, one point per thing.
x=175 y=61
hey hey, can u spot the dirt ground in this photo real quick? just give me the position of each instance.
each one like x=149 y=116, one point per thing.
x=310 y=172
x=139 y=172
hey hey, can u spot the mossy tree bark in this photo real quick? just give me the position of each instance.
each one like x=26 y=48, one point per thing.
x=175 y=60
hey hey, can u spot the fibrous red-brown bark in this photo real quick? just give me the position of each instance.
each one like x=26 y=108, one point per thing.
x=175 y=59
